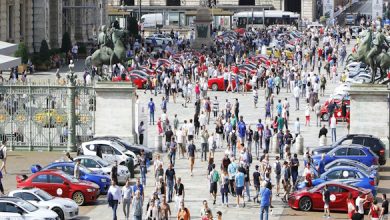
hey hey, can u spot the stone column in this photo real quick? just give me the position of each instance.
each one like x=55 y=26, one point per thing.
x=115 y=110
x=369 y=111
x=3 y=20
x=17 y=20
x=307 y=9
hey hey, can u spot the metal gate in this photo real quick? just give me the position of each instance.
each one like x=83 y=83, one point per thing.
x=34 y=116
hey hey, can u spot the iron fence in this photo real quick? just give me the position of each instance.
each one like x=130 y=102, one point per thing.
x=34 y=115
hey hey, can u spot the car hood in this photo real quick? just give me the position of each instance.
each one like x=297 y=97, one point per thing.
x=99 y=174
x=64 y=201
x=85 y=183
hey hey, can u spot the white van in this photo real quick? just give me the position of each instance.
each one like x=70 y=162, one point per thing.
x=109 y=151
x=152 y=20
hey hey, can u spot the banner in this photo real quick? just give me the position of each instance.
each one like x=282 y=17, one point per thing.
x=377 y=9
x=328 y=9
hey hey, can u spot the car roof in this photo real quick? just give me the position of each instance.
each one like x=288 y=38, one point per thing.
x=343 y=167
x=26 y=189
x=10 y=199
x=351 y=146
x=94 y=157
x=61 y=163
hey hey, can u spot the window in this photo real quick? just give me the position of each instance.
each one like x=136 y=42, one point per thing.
x=89 y=163
x=334 y=175
x=353 y=152
x=358 y=140
x=2 y=206
x=346 y=142
x=56 y=179
x=106 y=149
x=91 y=147
x=29 y=197
x=9 y=207
x=41 y=179
x=117 y=151
x=68 y=170
x=341 y=152
x=373 y=143
x=19 y=195
x=348 y=174
x=333 y=189
x=173 y=2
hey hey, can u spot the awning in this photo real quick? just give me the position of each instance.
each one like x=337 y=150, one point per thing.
x=7 y=49
x=7 y=62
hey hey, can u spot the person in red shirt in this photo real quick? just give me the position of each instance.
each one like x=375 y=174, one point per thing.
x=320 y=52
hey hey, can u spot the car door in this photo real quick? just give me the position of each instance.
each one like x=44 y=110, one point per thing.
x=340 y=153
x=333 y=175
x=90 y=164
x=58 y=186
x=9 y=211
x=336 y=199
x=42 y=182
x=354 y=154
x=107 y=153
x=29 y=197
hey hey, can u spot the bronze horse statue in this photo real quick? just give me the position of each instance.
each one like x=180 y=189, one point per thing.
x=109 y=56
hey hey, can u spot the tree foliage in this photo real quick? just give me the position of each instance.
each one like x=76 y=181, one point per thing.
x=66 y=43
x=44 y=52
x=132 y=26
x=22 y=52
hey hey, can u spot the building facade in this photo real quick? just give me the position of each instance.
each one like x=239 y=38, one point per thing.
x=31 y=21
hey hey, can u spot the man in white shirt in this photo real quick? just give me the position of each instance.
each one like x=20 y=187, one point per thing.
x=191 y=130
x=297 y=127
x=360 y=204
x=296 y=93
x=333 y=123
x=179 y=140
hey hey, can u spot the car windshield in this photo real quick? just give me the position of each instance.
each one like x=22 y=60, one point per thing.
x=70 y=178
x=102 y=162
x=119 y=147
x=27 y=206
x=44 y=195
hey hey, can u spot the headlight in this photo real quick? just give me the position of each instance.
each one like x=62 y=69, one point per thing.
x=90 y=190
x=103 y=180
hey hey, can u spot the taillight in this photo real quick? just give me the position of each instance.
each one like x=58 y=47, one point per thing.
x=372 y=182
x=382 y=152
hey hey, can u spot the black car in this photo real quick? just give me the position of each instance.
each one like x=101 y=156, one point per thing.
x=374 y=143
x=135 y=148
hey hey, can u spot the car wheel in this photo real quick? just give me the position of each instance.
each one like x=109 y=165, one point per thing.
x=325 y=117
x=78 y=197
x=59 y=212
x=214 y=87
x=305 y=204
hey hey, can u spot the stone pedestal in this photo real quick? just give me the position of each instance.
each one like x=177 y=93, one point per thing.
x=370 y=111
x=202 y=28
x=115 y=110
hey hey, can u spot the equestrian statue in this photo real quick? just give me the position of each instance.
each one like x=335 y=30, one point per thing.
x=112 y=49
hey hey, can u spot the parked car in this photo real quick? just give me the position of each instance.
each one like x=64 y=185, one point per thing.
x=97 y=164
x=58 y=183
x=217 y=83
x=320 y=150
x=324 y=112
x=353 y=152
x=346 y=174
x=373 y=170
x=64 y=207
x=311 y=199
x=109 y=151
x=158 y=40
x=350 y=19
x=374 y=143
x=135 y=148
x=17 y=208
x=102 y=180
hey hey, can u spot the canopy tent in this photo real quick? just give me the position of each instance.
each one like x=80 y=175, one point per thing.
x=7 y=50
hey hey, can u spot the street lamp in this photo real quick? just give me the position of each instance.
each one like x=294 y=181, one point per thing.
x=71 y=109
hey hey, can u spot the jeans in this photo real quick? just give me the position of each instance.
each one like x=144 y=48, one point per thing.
x=126 y=207
x=257 y=150
x=151 y=117
x=264 y=212
x=143 y=175
x=204 y=152
x=297 y=103
x=334 y=135
x=225 y=197
x=114 y=208
x=170 y=189
x=234 y=149
x=267 y=140
x=281 y=149
x=172 y=157
x=137 y=217
x=294 y=175
x=248 y=193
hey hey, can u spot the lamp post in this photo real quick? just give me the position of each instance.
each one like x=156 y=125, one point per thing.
x=123 y=9
x=71 y=147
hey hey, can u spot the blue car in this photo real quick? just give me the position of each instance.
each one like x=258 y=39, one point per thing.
x=346 y=174
x=85 y=174
x=352 y=152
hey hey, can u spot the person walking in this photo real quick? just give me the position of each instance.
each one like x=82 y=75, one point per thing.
x=297 y=93
x=317 y=111
x=172 y=151
x=240 y=183
x=232 y=170
x=136 y=206
x=76 y=172
x=152 y=109
x=307 y=115
x=267 y=137
x=191 y=155
x=333 y=123
x=183 y=213
x=3 y=156
x=170 y=179
x=225 y=188
x=385 y=207
x=215 y=107
x=326 y=199
x=280 y=139
x=294 y=168
x=265 y=196
x=114 y=172
x=204 y=143
x=278 y=171
x=141 y=131
x=351 y=206
x=375 y=210
x=179 y=193
x=127 y=193
x=142 y=166
x=214 y=178
x=114 y=195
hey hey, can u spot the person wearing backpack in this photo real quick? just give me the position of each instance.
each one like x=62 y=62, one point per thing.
x=233 y=142
x=214 y=179
x=278 y=171
x=256 y=139
x=3 y=156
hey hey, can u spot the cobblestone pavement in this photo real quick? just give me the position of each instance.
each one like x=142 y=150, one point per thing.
x=196 y=186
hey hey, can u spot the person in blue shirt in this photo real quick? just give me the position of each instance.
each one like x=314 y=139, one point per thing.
x=237 y=83
x=232 y=170
x=265 y=203
x=151 y=108
x=270 y=85
x=241 y=129
x=279 y=107
x=321 y=165
x=240 y=181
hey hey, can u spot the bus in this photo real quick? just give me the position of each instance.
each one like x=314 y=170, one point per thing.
x=271 y=17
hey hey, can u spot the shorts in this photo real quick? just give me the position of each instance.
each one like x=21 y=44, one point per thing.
x=213 y=187
x=192 y=161
x=190 y=137
x=277 y=177
x=174 y=91
x=326 y=205
x=239 y=190
x=322 y=87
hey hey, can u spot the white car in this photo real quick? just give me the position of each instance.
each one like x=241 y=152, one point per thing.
x=160 y=39
x=18 y=209
x=64 y=207
x=109 y=151
x=96 y=163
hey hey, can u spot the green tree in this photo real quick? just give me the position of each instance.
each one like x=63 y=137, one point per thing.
x=22 y=52
x=66 y=43
x=132 y=26
x=44 y=52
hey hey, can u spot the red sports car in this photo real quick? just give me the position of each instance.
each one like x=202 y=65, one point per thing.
x=138 y=81
x=311 y=199
x=58 y=183
x=338 y=111
x=217 y=84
